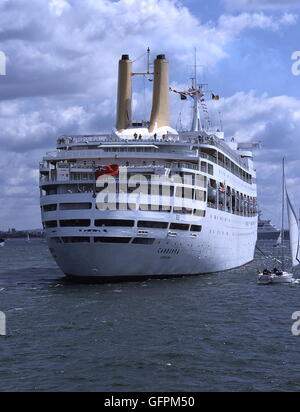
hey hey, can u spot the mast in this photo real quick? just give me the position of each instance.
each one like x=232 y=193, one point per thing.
x=282 y=213
x=196 y=124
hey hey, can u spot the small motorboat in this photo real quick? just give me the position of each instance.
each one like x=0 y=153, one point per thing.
x=2 y=242
x=279 y=277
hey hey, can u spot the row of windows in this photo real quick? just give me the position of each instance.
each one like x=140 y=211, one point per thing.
x=151 y=186
x=78 y=239
x=183 y=193
x=222 y=197
x=67 y=206
x=124 y=207
x=121 y=223
x=124 y=240
x=222 y=160
x=155 y=190
x=149 y=208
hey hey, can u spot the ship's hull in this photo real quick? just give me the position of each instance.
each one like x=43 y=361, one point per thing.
x=217 y=248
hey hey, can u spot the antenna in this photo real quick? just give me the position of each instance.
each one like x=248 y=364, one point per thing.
x=148 y=65
x=221 y=123
x=195 y=69
x=148 y=60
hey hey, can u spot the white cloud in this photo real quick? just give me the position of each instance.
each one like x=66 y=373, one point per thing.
x=58 y=7
x=62 y=72
x=261 y=4
x=233 y=25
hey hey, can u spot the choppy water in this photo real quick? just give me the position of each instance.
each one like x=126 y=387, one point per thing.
x=220 y=332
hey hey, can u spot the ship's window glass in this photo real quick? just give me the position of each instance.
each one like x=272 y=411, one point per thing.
x=183 y=210
x=196 y=228
x=75 y=239
x=143 y=241
x=179 y=191
x=155 y=208
x=75 y=223
x=75 y=176
x=179 y=226
x=213 y=183
x=75 y=206
x=114 y=223
x=112 y=239
x=76 y=188
x=166 y=190
x=144 y=207
x=107 y=206
x=49 y=208
x=154 y=225
x=200 y=181
x=165 y=208
x=210 y=169
x=188 y=193
x=198 y=212
x=130 y=206
x=115 y=206
x=184 y=192
x=204 y=167
x=200 y=195
x=188 y=178
x=50 y=224
x=82 y=176
x=56 y=239
x=51 y=191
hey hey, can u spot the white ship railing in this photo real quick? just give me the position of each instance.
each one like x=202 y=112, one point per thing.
x=201 y=139
x=173 y=165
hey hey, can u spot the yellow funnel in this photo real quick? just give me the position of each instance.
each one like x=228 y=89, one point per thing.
x=160 y=105
x=124 y=105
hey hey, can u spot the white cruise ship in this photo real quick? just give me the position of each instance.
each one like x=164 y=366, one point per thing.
x=148 y=201
x=266 y=230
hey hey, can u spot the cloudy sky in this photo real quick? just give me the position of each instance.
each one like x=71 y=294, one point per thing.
x=62 y=74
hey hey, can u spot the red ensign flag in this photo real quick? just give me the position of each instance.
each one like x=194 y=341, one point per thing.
x=110 y=170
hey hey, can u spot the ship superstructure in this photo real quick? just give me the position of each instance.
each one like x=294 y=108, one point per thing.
x=148 y=201
x=266 y=230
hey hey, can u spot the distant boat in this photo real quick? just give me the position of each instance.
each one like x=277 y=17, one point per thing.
x=2 y=242
x=266 y=230
x=281 y=276
x=28 y=238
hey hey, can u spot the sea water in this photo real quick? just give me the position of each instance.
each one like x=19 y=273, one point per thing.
x=219 y=332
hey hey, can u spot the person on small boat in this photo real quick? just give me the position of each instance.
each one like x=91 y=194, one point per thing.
x=266 y=272
x=277 y=272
